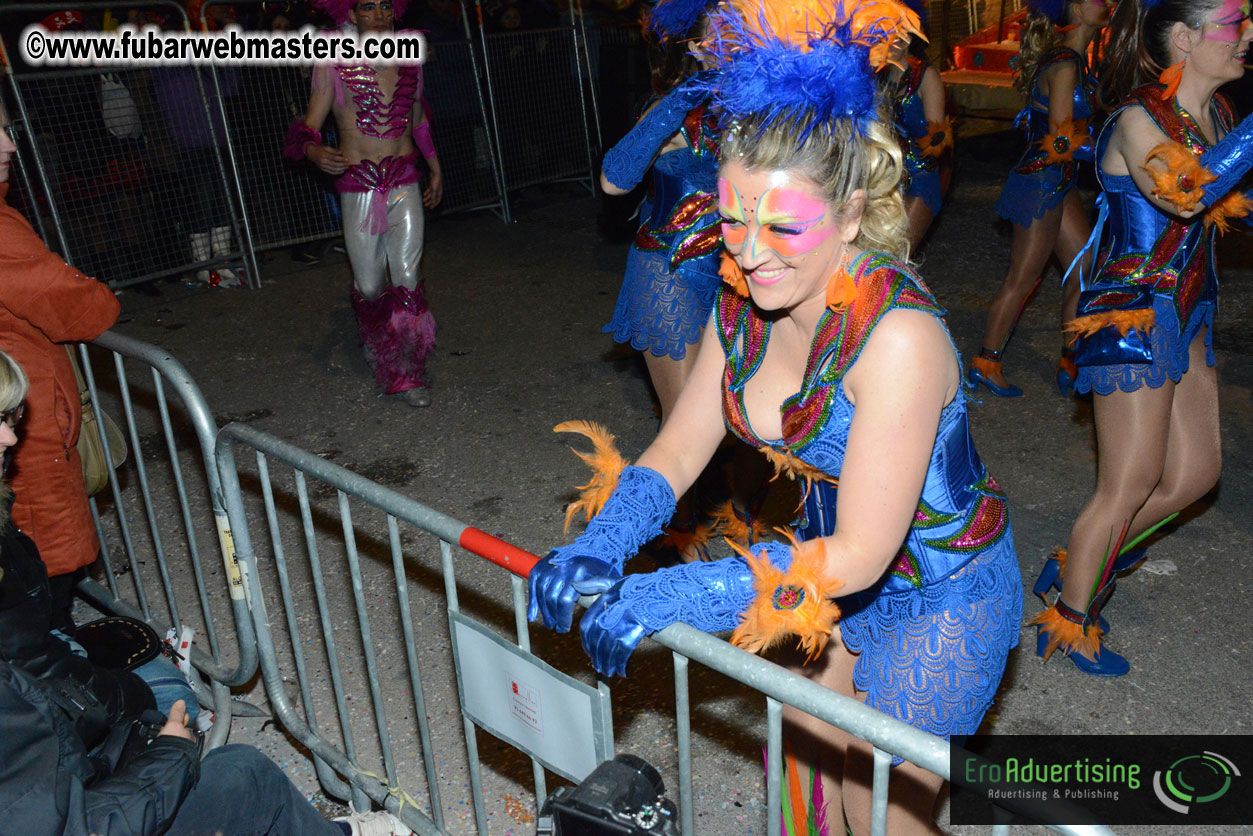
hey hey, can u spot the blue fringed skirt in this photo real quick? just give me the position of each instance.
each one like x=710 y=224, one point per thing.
x=1170 y=352
x=1027 y=197
x=660 y=310
x=926 y=185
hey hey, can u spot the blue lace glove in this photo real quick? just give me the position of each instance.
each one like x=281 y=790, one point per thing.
x=626 y=162
x=1229 y=161
x=708 y=596
x=640 y=505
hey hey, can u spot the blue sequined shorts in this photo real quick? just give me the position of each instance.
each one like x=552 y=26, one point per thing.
x=1170 y=352
x=664 y=311
x=1027 y=197
x=934 y=657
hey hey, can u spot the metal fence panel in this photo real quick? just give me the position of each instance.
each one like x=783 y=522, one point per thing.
x=129 y=163
x=351 y=652
x=165 y=543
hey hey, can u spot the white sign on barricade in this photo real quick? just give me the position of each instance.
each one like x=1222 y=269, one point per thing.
x=530 y=704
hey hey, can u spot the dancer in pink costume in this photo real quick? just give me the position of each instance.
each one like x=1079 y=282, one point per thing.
x=382 y=129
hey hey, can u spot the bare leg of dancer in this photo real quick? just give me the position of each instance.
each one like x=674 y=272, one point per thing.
x=846 y=762
x=668 y=376
x=920 y=218
x=1028 y=256
x=1159 y=452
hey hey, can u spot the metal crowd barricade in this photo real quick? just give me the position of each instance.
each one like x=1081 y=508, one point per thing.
x=129 y=198
x=304 y=590
x=164 y=538
x=543 y=100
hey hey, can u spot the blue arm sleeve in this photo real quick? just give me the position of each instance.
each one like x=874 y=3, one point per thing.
x=1229 y=160
x=626 y=163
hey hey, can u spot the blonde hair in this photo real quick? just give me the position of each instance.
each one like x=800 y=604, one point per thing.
x=13 y=383
x=840 y=157
x=1037 y=36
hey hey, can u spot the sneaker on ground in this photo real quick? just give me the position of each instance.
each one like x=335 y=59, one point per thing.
x=418 y=397
x=376 y=823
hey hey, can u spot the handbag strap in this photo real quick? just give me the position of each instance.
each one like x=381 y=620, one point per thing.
x=84 y=393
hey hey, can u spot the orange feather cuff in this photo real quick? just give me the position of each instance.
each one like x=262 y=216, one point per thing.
x=1231 y=207
x=1059 y=146
x=1067 y=634
x=796 y=602
x=1085 y=326
x=1180 y=177
x=606 y=464
x=937 y=140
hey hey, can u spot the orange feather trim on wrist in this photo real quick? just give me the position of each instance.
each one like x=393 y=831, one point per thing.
x=1180 y=177
x=1085 y=326
x=606 y=464
x=1068 y=135
x=937 y=140
x=1231 y=207
x=796 y=602
x=1066 y=634
x=732 y=275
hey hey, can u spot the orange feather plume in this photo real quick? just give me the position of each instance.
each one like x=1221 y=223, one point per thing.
x=803 y=23
x=1171 y=76
x=785 y=464
x=726 y=520
x=1066 y=634
x=937 y=140
x=688 y=543
x=1068 y=135
x=796 y=602
x=1085 y=326
x=731 y=273
x=1180 y=177
x=1231 y=207
x=606 y=464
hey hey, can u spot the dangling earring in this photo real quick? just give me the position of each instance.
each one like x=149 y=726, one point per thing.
x=1171 y=76
x=732 y=275
x=841 y=289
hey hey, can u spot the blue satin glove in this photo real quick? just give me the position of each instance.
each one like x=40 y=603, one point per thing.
x=708 y=596
x=640 y=505
x=626 y=163
x=1229 y=160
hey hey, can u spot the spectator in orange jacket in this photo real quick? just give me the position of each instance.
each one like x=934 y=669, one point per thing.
x=43 y=302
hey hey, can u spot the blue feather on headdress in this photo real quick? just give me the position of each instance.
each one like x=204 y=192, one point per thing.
x=813 y=61
x=671 y=19
x=1054 y=10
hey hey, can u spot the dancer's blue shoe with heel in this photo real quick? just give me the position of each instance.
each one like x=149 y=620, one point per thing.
x=1072 y=631
x=982 y=368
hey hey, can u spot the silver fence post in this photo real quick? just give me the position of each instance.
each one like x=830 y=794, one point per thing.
x=491 y=103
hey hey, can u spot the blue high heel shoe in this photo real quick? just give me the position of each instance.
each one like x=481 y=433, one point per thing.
x=1050 y=578
x=976 y=375
x=1065 y=383
x=1106 y=663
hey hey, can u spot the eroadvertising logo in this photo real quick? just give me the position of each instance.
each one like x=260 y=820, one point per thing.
x=1194 y=779
x=1111 y=780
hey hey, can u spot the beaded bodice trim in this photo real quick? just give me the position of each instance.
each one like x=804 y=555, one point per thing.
x=374 y=118
x=911 y=120
x=1149 y=247
x=883 y=283
x=961 y=511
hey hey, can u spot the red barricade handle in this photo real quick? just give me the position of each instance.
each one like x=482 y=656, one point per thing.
x=504 y=554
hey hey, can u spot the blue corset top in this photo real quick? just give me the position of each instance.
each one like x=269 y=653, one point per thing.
x=676 y=175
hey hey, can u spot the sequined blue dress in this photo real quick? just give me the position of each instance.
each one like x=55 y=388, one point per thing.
x=1036 y=186
x=911 y=126
x=935 y=631
x=672 y=268
x=1144 y=246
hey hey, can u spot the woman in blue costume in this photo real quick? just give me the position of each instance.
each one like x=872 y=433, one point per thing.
x=672 y=269
x=828 y=353
x=1039 y=197
x=1170 y=163
x=926 y=135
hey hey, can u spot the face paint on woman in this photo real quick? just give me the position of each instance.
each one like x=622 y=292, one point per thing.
x=1228 y=22
x=787 y=221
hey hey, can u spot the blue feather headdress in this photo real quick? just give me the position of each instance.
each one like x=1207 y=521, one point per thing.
x=673 y=19
x=1054 y=10
x=808 y=61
